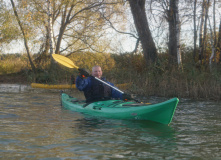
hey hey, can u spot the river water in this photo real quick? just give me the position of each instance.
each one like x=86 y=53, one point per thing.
x=35 y=126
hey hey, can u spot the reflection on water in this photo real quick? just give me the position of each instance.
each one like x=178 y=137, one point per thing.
x=34 y=126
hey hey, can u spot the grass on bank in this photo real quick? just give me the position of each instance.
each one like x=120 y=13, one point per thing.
x=10 y=64
x=195 y=82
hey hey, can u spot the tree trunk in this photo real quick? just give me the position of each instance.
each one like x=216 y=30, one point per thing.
x=61 y=33
x=179 y=58
x=50 y=30
x=205 y=29
x=213 y=37
x=201 y=33
x=195 y=31
x=47 y=42
x=174 y=33
x=142 y=27
x=24 y=35
x=219 y=42
x=213 y=44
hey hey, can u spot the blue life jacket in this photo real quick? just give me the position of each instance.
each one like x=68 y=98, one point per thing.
x=97 y=91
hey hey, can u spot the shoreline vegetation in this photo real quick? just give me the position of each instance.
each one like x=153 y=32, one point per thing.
x=191 y=81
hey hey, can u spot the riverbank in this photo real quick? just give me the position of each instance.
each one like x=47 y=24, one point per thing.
x=168 y=86
x=161 y=80
x=14 y=78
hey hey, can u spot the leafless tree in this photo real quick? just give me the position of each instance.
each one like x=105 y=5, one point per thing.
x=142 y=26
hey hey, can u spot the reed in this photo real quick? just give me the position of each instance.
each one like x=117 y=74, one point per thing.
x=168 y=81
x=175 y=84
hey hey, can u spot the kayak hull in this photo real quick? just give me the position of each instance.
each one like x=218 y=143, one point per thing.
x=118 y=109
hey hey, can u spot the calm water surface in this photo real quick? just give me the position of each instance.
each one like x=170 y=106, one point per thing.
x=34 y=126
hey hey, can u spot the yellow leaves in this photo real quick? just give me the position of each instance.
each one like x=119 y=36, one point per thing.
x=24 y=3
x=29 y=16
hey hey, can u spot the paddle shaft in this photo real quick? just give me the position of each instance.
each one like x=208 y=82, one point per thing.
x=109 y=85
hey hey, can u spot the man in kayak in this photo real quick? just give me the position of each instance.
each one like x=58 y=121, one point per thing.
x=95 y=90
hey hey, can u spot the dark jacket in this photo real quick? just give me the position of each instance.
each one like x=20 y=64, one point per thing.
x=95 y=90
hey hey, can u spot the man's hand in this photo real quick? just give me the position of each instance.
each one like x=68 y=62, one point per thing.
x=83 y=73
x=127 y=97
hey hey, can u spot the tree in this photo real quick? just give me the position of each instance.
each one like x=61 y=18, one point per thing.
x=213 y=37
x=8 y=28
x=219 y=42
x=24 y=35
x=50 y=28
x=174 y=32
x=207 y=5
x=194 y=30
x=71 y=12
x=78 y=25
x=168 y=11
x=201 y=38
x=142 y=26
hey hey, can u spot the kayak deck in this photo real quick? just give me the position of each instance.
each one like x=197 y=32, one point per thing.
x=118 y=109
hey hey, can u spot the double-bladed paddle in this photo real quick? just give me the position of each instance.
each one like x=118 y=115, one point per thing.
x=68 y=63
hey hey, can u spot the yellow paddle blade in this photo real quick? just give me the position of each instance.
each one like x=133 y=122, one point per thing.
x=64 y=61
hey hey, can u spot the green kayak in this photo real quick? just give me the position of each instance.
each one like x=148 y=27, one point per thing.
x=117 y=109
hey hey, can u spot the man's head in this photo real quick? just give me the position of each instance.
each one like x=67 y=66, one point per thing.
x=97 y=72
